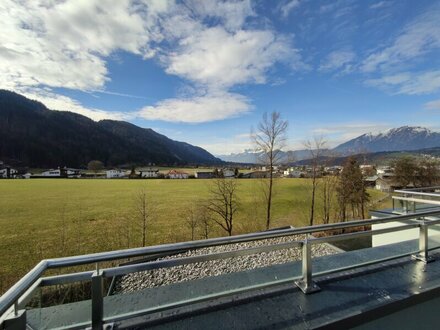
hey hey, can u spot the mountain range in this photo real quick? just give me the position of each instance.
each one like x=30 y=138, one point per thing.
x=251 y=157
x=396 y=139
x=405 y=138
x=32 y=135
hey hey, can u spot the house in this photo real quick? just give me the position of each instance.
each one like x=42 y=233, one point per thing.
x=7 y=172
x=256 y=175
x=370 y=181
x=334 y=170
x=26 y=175
x=70 y=172
x=204 y=175
x=385 y=185
x=149 y=173
x=62 y=172
x=53 y=173
x=228 y=173
x=293 y=173
x=115 y=174
x=384 y=171
x=175 y=174
x=368 y=170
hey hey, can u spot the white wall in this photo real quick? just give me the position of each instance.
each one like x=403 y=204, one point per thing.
x=401 y=235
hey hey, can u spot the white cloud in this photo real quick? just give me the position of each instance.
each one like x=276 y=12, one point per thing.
x=227 y=146
x=62 y=103
x=341 y=59
x=198 y=109
x=232 y=13
x=433 y=105
x=409 y=83
x=50 y=44
x=63 y=44
x=287 y=6
x=418 y=38
x=379 y=4
x=219 y=59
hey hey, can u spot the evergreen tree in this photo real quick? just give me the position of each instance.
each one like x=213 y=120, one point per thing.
x=351 y=190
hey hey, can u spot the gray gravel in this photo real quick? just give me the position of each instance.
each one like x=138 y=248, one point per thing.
x=148 y=279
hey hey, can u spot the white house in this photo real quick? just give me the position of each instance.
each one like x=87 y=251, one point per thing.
x=52 y=173
x=63 y=172
x=70 y=172
x=294 y=174
x=115 y=173
x=149 y=173
x=27 y=175
x=8 y=173
x=175 y=174
x=385 y=171
x=228 y=173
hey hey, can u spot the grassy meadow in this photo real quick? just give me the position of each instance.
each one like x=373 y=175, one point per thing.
x=46 y=218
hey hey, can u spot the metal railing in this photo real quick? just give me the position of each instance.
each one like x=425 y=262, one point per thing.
x=12 y=302
x=427 y=197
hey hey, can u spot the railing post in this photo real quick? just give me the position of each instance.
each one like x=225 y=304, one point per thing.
x=16 y=320
x=423 y=254
x=306 y=284
x=97 y=300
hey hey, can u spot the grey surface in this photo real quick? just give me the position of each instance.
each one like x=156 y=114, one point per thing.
x=341 y=299
x=423 y=316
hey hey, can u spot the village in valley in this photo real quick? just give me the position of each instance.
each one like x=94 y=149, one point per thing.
x=379 y=177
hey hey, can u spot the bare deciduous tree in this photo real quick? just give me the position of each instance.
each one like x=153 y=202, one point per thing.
x=315 y=148
x=191 y=219
x=198 y=220
x=205 y=221
x=269 y=140
x=143 y=212
x=223 y=203
x=329 y=183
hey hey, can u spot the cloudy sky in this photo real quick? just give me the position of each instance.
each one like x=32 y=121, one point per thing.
x=205 y=71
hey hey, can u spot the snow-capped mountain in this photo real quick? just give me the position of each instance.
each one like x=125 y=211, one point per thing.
x=251 y=157
x=396 y=139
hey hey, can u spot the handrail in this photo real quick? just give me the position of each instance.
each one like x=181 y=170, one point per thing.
x=412 y=190
x=12 y=295
x=417 y=193
x=417 y=200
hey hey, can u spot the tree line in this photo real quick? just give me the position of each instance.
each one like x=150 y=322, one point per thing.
x=342 y=196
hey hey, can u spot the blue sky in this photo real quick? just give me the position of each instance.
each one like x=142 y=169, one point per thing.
x=204 y=72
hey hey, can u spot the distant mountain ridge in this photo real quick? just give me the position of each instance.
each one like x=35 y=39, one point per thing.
x=376 y=158
x=32 y=135
x=251 y=157
x=396 y=139
x=403 y=138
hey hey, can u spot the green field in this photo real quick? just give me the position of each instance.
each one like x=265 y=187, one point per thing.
x=46 y=218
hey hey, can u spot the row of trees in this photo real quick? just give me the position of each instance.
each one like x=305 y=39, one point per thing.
x=344 y=195
x=218 y=208
x=270 y=138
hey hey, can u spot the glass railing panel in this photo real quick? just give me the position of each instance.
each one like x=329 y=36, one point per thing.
x=434 y=237
x=63 y=305
x=364 y=250
x=162 y=289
